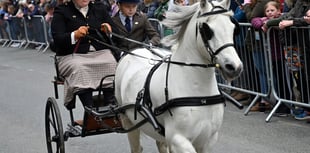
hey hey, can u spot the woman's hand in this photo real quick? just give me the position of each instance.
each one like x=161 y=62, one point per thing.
x=106 y=28
x=81 y=32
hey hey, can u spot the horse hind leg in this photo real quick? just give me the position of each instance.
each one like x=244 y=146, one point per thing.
x=133 y=136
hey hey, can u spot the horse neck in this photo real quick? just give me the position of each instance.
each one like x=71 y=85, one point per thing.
x=194 y=80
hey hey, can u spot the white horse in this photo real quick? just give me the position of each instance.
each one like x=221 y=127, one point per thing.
x=184 y=85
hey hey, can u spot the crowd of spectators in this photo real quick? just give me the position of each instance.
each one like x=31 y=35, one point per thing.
x=291 y=13
x=25 y=9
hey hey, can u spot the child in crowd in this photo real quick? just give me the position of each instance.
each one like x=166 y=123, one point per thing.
x=272 y=10
x=297 y=44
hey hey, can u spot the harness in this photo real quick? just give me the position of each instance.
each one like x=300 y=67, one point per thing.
x=144 y=105
x=144 y=102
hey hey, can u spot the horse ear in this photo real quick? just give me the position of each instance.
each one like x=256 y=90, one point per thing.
x=203 y=3
x=237 y=26
x=225 y=4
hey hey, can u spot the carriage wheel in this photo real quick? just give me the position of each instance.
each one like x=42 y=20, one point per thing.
x=53 y=127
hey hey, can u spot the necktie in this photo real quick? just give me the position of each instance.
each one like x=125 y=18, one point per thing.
x=127 y=24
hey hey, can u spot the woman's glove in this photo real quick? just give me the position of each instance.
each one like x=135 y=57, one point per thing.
x=106 y=28
x=81 y=32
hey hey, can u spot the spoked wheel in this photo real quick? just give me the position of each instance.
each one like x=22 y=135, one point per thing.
x=53 y=127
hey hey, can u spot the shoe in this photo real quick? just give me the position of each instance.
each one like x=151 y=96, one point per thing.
x=255 y=108
x=263 y=106
x=15 y=45
x=283 y=111
x=234 y=93
x=241 y=96
x=246 y=102
x=302 y=116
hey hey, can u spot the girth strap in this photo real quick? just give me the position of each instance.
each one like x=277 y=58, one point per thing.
x=144 y=104
x=189 y=101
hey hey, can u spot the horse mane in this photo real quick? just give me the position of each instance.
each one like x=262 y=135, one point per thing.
x=177 y=17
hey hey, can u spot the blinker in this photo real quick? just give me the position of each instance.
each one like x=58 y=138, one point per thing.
x=205 y=32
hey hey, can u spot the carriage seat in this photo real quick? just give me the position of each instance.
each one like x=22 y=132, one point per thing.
x=104 y=97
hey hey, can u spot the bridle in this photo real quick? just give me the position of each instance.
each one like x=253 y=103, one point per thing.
x=206 y=33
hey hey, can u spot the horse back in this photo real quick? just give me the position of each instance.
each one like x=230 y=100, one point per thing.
x=131 y=74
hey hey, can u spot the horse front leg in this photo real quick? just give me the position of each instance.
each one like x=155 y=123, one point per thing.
x=207 y=147
x=133 y=136
x=180 y=144
x=162 y=147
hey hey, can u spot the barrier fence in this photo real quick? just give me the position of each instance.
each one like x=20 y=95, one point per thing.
x=275 y=67
x=25 y=32
x=275 y=63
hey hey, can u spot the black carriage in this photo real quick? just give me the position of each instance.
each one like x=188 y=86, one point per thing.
x=101 y=118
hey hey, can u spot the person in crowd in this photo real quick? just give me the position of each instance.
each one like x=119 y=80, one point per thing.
x=27 y=11
x=114 y=8
x=22 y=5
x=82 y=61
x=239 y=13
x=160 y=13
x=180 y=2
x=134 y=25
x=272 y=10
x=148 y=7
x=13 y=26
x=41 y=7
x=3 y=25
x=49 y=9
x=256 y=9
x=35 y=31
x=297 y=16
x=243 y=13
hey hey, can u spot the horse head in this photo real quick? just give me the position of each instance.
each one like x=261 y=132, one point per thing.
x=213 y=36
x=216 y=30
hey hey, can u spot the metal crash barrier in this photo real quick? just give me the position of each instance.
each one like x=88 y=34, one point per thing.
x=275 y=67
x=4 y=33
x=26 y=32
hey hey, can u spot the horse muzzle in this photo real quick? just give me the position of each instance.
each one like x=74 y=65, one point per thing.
x=231 y=70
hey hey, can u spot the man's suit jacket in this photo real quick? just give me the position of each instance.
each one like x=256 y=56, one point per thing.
x=141 y=30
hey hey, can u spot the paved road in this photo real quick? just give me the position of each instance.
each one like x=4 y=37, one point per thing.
x=25 y=84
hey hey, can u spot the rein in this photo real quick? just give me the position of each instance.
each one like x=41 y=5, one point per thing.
x=150 y=48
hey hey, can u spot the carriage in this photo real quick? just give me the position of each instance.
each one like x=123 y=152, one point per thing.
x=149 y=95
x=102 y=118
